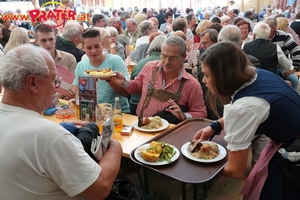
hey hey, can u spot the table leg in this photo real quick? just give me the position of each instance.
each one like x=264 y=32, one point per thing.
x=146 y=180
x=183 y=190
x=205 y=190
x=139 y=174
x=195 y=192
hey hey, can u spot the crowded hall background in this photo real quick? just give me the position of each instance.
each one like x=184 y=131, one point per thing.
x=165 y=60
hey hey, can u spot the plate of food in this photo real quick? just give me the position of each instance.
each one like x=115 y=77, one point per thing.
x=205 y=151
x=151 y=124
x=100 y=73
x=156 y=153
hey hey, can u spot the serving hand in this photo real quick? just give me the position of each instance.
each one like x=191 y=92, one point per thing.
x=204 y=134
x=175 y=110
x=119 y=78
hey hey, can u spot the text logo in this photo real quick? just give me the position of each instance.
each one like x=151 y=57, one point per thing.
x=41 y=16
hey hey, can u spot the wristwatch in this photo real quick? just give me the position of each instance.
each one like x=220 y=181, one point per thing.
x=112 y=46
x=126 y=83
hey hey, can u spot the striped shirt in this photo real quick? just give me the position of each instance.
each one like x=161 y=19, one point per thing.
x=288 y=46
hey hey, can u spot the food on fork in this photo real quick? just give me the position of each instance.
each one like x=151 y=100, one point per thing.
x=100 y=72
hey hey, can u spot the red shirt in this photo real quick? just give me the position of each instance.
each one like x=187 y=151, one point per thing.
x=191 y=94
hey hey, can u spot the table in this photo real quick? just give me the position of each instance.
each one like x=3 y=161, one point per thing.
x=184 y=169
x=128 y=143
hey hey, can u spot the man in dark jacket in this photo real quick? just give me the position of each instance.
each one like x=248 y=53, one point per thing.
x=161 y=17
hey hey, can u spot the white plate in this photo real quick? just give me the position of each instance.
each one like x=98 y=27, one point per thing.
x=165 y=125
x=186 y=153
x=99 y=76
x=137 y=155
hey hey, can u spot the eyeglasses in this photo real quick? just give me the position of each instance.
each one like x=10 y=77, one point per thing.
x=171 y=59
x=56 y=80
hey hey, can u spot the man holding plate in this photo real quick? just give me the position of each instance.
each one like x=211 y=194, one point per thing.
x=106 y=93
x=166 y=89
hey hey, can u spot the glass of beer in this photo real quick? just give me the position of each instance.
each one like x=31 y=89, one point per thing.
x=130 y=66
x=103 y=111
x=131 y=47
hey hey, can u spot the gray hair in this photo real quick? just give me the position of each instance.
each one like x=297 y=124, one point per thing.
x=21 y=61
x=272 y=22
x=176 y=41
x=230 y=33
x=144 y=26
x=132 y=21
x=262 y=30
x=156 y=43
x=71 y=28
x=213 y=34
x=112 y=30
x=124 y=15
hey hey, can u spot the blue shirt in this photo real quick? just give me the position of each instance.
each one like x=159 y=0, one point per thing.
x=105 y=93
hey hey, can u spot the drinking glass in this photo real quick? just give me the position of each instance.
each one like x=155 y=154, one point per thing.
x=131 y=65
x=103 y=111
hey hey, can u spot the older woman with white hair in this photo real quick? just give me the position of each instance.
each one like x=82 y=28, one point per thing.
x=115 y=46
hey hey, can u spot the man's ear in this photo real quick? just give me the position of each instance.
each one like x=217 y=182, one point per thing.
x=31 y=83
x=184 y=56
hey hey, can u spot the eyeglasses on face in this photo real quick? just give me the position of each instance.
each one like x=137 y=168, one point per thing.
x=56 y=80
x=171 y=59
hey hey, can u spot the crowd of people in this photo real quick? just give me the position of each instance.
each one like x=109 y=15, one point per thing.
x=232 y=67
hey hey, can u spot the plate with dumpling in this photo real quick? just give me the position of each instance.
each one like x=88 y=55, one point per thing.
x=100 y=73
x=156 y=153
x=205 y=151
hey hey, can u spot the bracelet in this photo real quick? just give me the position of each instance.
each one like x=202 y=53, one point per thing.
x=216 y=126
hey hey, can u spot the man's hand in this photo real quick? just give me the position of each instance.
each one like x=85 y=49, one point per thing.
x=71 y=94
x=175 y=110
x=119 y=78
x=80 y=123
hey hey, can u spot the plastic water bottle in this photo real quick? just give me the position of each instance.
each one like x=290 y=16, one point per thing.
x=118 y=117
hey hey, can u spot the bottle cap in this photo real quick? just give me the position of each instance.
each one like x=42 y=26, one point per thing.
x=117 y=99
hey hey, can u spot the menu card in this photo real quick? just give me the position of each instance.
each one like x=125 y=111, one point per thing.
x=87 y=98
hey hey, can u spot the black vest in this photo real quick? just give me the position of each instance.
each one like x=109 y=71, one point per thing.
x=265 y=52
